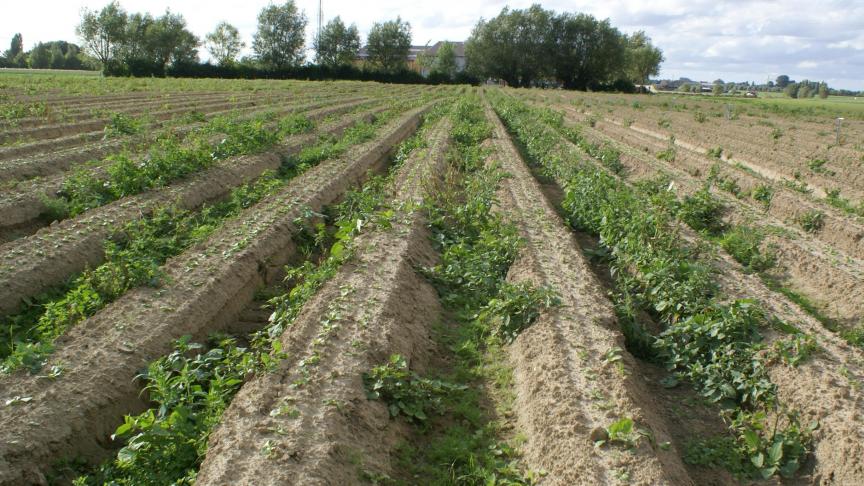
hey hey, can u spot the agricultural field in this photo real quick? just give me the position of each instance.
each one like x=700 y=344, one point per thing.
x=290 y=282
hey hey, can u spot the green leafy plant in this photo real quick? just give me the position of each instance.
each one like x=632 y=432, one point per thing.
x=121 y=124
x=812 y=220
x=702 y=212
x=764 y=194
x=515 y=308
x=715 y=153
x=745 y=245
x=668 y=154
x=818 y=166
x=772 y=449
x=404 y=392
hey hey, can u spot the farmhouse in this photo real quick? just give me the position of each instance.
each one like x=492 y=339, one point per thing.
x=458 y=52
x=415 y=52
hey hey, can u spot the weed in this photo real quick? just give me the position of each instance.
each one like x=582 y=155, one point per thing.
x=121 y=124
x=818 y=167
x=667 y=154
x=764 y=194
x=664 y=123
x=712 y=342
x=716 y=152
x=404 y=392
x=702 y=212
x=744 y=245
x=514 y=309
x=794 y=350
x=812 y=220
x=700 y=117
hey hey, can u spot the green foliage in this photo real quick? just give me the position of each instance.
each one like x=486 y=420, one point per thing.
x=388 y=43
x=146 y=245
x=477 y=250
x=744 y=244
x=713 y=343
x=404 y=392
x=191 y=388
x=337 y=44
x=514 y=309
x=716 y=152
x=764 y=194
x=818 y=166
x=281 y=35
x=224 y=43
x=812 y=220
x=700 y=117
x=718 y=451
x=668 y=154
x=713 y=349
x=795 y=349
x=166 y=443
x=121 y=124
x=778 y=449
x=523 y=46
x=171 y=158
x=834 y=198
x=702 y=212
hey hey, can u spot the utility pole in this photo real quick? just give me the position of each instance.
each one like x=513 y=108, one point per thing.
x=320 y=19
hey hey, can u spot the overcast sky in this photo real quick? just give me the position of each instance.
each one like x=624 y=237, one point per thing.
x=701 y=39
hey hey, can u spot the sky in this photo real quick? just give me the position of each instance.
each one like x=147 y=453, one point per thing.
x=704 y=40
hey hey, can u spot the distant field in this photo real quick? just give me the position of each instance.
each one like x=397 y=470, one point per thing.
x=777 y=103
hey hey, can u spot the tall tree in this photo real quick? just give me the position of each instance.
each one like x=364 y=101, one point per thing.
x=136 y=44
x=39 y=57
x=388 y=44
x=224 y=43
x=823 y=90
x=586 y=51
x=445 y=61
x=103 y=32
x=15 y=47
x=281 y=35
x=515 y=46
x=643 y=59
x=782 y=81
x=337 y=44
x=170 y=41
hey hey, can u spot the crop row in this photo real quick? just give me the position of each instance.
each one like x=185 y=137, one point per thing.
x=169 y=158
x=706 y=339
x=202 y=290
x=126 y=132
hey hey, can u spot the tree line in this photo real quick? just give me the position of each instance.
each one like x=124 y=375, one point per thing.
x=45 y=55
x=525 y=47
x=535 y=45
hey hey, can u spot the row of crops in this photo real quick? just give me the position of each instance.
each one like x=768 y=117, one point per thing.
x=349 y=283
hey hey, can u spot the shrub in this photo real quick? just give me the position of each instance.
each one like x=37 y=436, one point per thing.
x=812 y=220
x=702 y=212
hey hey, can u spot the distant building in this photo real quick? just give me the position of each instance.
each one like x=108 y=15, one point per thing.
x=458 y=54
x=411 y=60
